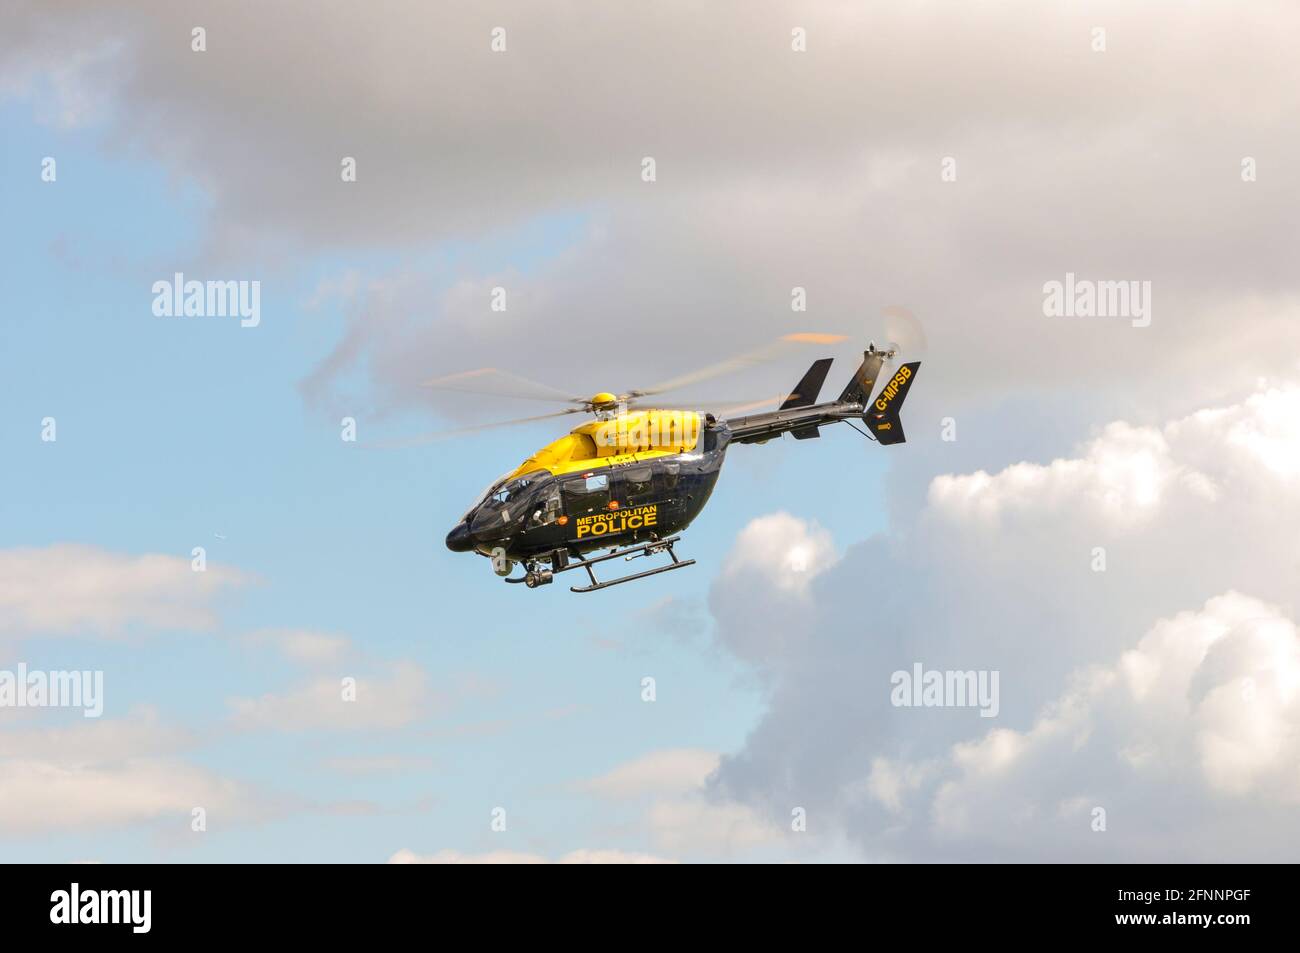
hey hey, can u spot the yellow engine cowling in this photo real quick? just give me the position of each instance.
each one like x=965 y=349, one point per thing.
x=670 y=431
x=636 y=435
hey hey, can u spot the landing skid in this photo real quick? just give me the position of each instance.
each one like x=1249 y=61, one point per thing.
x=541 y=577
x=643 y=549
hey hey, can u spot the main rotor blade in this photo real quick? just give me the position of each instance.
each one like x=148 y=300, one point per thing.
x=433 y=435
x=770 y=403
x=499 y=383
x=741 y=361
x=703 y=406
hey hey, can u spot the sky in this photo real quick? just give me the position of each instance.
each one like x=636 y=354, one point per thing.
x=1099 y=509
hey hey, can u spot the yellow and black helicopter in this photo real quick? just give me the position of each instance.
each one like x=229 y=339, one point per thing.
x=631 y=480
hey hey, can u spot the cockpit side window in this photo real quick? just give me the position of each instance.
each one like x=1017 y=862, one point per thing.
x=588 y=493
x=637 y=484
x=546 y=509
x=516 y=491
x=668 y=476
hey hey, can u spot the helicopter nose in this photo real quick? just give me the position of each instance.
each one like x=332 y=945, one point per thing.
x=459 y=539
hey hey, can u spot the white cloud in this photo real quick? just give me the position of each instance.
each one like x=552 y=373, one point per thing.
x=42 y=796
x=1122 y=475
x=784 y=551
x=71 y=589
x=698 y=826
x=671 y=771
x=891 y=782
x=1101 y=705
x=141 y=732
x=112 y=773
x=669 y=789
x=304 y=646
x=1204 y=710
x=1261 y=436
x=381 y=701
x=766 y=584
x=1129 y=473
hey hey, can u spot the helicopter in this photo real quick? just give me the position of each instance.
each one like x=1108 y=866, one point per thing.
x=631 y=480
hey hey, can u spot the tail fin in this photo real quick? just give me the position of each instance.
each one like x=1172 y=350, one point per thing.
x=858 y=390
x=809 y=386
x=882 y=416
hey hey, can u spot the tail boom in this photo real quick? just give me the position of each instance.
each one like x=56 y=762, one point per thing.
x=758 y=428
x=881 y=415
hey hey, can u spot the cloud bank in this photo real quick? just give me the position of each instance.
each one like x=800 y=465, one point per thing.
x=1135 y=597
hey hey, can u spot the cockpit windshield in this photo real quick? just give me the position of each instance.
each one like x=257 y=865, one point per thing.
x=488 y=491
